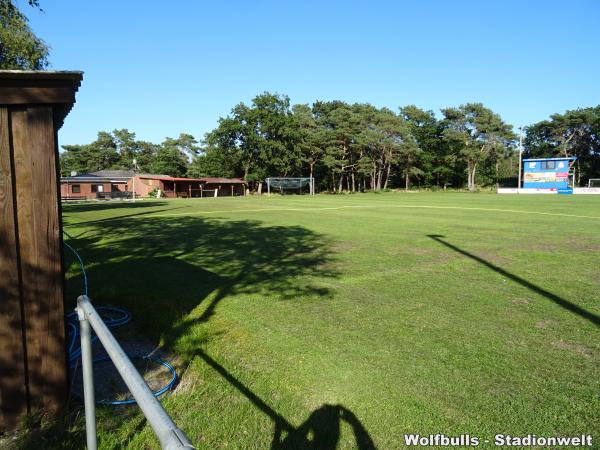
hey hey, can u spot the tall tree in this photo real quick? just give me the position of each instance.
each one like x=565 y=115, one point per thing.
x=574 y=133
x=100 y=154
x=310 y=138
x=340 y=129
x=211 y=162
x=114 y=150
x=437 y=163
x=20 y=48
x=259 y=139
x=172 y=157
x=476 y=133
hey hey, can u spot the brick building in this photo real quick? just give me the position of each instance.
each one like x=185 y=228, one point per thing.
x=106 y=184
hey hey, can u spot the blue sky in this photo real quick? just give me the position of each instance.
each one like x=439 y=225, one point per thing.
x=161 y=68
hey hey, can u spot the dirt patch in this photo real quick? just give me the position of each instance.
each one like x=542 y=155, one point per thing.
x=188 y=382
x=344 y=246
x=574 y=348
x=583 y=245
x=571 y=244
x=109 y=386
x=545 y=324
x=419 y=251
x=494 y=258
x=520 y=301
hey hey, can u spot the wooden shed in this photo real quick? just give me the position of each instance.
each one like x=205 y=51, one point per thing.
x=33 y=364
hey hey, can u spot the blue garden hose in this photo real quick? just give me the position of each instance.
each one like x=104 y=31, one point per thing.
x=104 y=312
x=85 y=282
x=156 y=393
x=113 y=317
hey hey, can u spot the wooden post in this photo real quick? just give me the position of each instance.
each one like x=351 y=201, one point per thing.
x=33 y=358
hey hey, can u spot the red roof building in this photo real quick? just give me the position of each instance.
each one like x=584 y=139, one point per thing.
x=106 y=184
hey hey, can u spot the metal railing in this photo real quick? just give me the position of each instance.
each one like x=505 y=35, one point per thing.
x=170 y=437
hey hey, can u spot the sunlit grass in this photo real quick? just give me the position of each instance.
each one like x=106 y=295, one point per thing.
x=422 y=313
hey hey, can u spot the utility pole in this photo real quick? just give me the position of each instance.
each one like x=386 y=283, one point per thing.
x=520 y=155
x=133 y=178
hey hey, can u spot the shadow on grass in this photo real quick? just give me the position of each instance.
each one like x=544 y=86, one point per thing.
x=173 y=273
x=320 y=431
x=569 y=306
x=69 y=225
x=110 y=205
x=163 y=268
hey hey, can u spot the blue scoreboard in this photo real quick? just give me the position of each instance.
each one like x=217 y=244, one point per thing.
x=547 y=173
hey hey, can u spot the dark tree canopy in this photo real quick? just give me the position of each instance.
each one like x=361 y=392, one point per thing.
x=574 y=133
x=353 y=147
x=117 y=150
x=20 y=48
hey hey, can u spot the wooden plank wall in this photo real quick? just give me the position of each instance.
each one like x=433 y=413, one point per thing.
x=33 y=369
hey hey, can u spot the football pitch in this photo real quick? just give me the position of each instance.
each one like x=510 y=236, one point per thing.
x=349 y=321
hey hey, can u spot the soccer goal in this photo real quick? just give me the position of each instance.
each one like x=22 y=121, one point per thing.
x=291 y=185
x=594 y=182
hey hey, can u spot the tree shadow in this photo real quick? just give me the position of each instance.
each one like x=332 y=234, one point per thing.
x=163 y=268
x=172 y=273
x=125 y=216
x=121 y=217
x=109 y=205
x=569 y=306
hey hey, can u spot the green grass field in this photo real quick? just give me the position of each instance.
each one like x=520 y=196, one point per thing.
x=347 y=321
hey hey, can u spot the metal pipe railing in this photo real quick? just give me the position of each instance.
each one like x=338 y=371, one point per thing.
x=170 y=437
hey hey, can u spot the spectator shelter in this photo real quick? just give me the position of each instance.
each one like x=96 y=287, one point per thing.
x=33 y=360
x=106 y=184
x=173 y=187
x=549 y=176
x=552 y=174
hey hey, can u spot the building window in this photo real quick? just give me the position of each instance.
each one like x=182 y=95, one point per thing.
x=548 y=165
x=97 y=188
x=75 y=188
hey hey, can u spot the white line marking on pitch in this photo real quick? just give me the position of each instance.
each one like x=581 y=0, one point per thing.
x=333 y=208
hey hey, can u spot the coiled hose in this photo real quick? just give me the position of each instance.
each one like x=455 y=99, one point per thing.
x=112 y=317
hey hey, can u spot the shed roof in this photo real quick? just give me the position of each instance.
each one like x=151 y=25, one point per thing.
x=56 y=88
x=223 y=180
x=570 y=158
x=113 y=173
x=167 y=178
x=101 y=176
x=202 y=180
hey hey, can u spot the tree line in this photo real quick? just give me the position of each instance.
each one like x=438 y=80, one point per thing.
x=120 y=149
x=353 y=147
x=346 y=147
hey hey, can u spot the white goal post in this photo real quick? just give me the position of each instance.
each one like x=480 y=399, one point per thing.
x=594 y=182
x=291 y=184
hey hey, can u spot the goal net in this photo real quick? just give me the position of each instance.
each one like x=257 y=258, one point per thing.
x=291 y=185
x=594 y=182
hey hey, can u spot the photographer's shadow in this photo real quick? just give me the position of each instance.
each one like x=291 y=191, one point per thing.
x=322 y=431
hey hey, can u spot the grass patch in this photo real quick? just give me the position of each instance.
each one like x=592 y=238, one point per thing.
x=347 y=321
